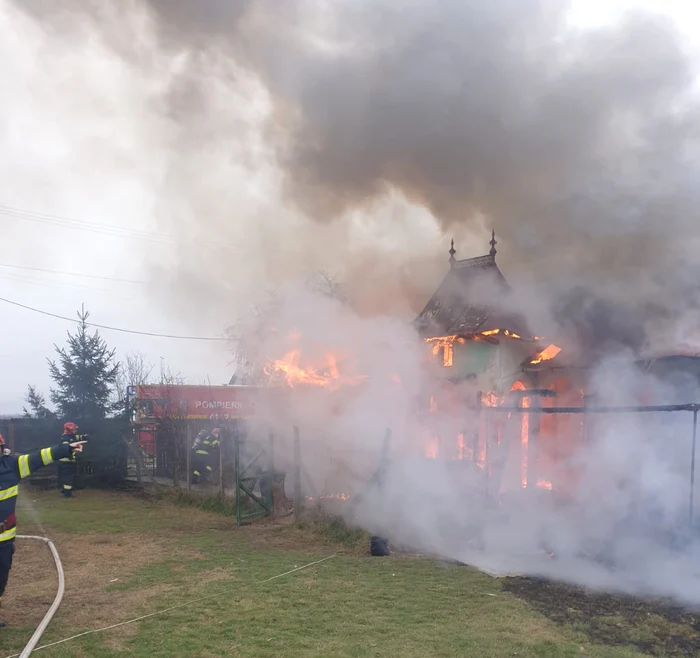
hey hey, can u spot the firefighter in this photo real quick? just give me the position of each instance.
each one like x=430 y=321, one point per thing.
x=206 y=455
x=197 y=460
x=67 y=466
x=12 y=471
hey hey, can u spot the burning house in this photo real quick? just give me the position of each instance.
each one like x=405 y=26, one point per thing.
x=489 y=357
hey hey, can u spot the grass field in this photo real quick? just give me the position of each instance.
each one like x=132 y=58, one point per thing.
x=126 y=556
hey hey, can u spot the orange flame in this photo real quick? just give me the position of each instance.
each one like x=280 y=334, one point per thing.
x=445 y=344
x=524 y=444
x=546 y=354
x=294 y=374
x=431 y=448
x=544 y=484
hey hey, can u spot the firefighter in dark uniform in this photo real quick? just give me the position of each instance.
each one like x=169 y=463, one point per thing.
x=67 y=466
x=206 y=455
x=12 y=471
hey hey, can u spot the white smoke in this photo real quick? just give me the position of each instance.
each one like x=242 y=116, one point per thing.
x=580 y=148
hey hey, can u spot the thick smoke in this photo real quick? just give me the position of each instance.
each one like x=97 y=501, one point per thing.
x=369 y=131
x=578 y=147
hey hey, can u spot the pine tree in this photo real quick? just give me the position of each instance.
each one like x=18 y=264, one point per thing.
x=37 y=405
x=84 y=376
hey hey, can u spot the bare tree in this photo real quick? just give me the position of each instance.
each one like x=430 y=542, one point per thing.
x=246 y=336
x=248 y=330
x=134 y=370
x=173 y=424
x=327 y=283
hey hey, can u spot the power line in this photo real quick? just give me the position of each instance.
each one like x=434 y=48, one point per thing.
x=108 y=229
x=86 y=276
x=16 y=276
x=109 y=328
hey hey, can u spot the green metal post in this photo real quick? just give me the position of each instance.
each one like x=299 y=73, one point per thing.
x=692 y=469
x=271 y=474
x=297 y=475
x=237 y=467
x=221 y=462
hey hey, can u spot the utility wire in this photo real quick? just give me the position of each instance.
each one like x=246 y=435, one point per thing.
x=174 y=607
x=86 y=276
x=108 y=229
x=109 y=328
x=56 y=286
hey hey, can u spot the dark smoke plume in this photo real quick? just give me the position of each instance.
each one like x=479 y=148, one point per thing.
x=578 y=147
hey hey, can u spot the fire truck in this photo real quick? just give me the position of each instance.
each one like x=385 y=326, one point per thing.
x=152 y=408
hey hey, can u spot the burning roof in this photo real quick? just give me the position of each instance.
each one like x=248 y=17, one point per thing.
x=467 y=301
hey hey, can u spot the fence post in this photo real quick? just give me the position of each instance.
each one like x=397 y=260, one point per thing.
x=533 y=441
x=237 y=468
x=271 y=473
x=477 y=430
x=221 y=462
x=189 y=457
x=297 y=475
x=692 y=469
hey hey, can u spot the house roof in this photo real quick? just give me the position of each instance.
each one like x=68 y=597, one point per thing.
x=468 y=300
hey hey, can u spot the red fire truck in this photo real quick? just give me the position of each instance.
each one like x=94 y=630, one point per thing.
x=150 y=405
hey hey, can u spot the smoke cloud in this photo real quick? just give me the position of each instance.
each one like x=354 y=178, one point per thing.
x=356 y=136
x=578 y=147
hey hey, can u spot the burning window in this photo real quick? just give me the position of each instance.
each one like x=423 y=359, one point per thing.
x=546 y=354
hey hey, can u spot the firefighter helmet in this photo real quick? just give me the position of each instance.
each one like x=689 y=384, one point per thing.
x=70 y=428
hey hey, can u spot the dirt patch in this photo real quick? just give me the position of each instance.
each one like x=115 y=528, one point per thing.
x=91 y=564
x=656 y=627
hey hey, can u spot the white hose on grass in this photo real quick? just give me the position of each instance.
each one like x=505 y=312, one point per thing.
x=34 y=640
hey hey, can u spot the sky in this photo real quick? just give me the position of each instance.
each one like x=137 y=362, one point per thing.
x=96 y=210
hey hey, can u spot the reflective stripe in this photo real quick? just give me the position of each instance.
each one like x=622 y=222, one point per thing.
x=202 y=452
x=209 y=468
x=67 y=486
x=197 y=473
x=215 y=443
x=46 y=457
x=8 y=493
x=23 y=463
x=8 y=534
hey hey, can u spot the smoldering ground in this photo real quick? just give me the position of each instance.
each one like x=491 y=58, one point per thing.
x=367 y=131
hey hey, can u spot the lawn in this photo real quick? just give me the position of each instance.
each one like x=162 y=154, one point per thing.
x=127 y=556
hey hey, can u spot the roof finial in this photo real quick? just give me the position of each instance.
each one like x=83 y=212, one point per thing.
x=452 y=253
x=493 y=243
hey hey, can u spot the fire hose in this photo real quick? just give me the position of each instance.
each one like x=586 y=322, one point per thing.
x=34 y=640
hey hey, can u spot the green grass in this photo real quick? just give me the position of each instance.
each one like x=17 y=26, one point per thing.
x=350 y=606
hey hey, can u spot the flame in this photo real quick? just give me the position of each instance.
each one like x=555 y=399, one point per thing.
x=544 y=484
x=445 y=344
x=524 y=444
x=327 y=375
x=431 y=447
x=336 y=496
x=333 y=496
x=546 y=354
x=460 y=446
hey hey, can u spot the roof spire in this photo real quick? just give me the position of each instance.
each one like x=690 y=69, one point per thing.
x=493 y=243
x=452 y=253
